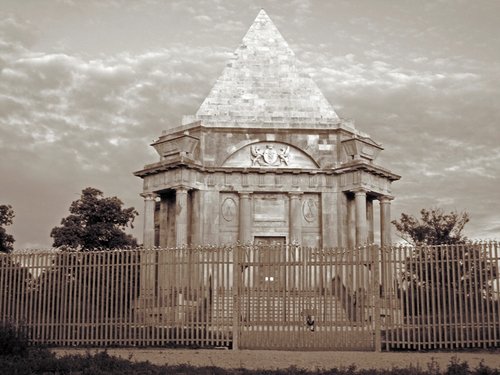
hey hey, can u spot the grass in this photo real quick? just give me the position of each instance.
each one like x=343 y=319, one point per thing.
x=18 y=358
x=42 y=361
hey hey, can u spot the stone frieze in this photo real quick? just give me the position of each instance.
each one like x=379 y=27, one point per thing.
x=270 y=155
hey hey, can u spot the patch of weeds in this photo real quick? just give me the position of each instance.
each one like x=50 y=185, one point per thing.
x=13 y=341
x=42 y=361
x=433 y=367
x=482 y=369
x=455 y=367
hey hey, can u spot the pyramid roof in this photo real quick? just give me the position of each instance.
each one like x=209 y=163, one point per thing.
x=264 y=85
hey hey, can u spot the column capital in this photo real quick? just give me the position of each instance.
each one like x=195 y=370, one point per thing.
x=295 y=194
x=359 y=191
x=244 y=194
x=181 y=188
x=385 y=199
x=149 y=196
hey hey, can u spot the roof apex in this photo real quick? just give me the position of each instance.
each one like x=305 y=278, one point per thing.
x=263 y=84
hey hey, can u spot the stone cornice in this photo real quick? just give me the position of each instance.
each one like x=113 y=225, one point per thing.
x=154 y=168
x=171 y=137
x=366 y=167
x=197 y=126
x=151 y=169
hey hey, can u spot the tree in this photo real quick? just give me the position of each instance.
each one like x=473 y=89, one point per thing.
x=443 y=271
x=95 y=222
x=16 y=279
x=434 y=227
x=87 y=284
x=6 y=240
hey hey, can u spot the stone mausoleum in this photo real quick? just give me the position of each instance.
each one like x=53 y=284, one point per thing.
x=265 y=159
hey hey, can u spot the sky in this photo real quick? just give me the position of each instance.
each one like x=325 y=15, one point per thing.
x=86 y=86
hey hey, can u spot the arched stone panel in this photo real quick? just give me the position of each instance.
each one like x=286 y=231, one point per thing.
x=270 y=155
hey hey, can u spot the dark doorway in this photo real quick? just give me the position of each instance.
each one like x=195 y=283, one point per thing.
x=271 y=253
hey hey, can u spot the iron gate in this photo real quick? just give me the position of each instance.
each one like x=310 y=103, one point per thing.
x=299 y=298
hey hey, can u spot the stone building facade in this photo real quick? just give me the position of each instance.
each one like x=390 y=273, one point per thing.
x=265 y=159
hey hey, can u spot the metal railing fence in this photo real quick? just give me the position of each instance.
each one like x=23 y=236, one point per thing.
x=258 y=296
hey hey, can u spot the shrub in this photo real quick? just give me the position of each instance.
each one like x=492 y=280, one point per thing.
x=13 y=340
x=455 y=367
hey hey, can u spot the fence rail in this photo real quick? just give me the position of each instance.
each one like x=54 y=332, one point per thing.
x=258 y=296
x=441 y=297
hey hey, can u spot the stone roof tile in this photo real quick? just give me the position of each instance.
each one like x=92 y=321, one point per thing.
x=264 y=80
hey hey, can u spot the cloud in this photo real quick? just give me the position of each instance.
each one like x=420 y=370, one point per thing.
x=229 y=26
x=70 y=120
x=303 y=10
x=436 y=118
x=15 y=33
x=203 y=18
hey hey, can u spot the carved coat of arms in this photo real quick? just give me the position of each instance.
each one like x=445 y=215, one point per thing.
x=270 y=156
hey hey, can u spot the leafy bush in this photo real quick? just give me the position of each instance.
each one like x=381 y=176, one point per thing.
x=13 y=341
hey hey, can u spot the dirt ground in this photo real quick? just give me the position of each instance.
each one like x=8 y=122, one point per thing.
x=272 y=359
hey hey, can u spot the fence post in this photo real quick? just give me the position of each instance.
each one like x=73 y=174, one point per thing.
x=376 y=297
x=236 y=297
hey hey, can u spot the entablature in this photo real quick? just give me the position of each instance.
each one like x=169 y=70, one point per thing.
x=359 y=165
x=362 y=179
x=235 y=179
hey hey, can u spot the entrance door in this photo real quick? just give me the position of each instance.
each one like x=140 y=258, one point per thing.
x=270 y=255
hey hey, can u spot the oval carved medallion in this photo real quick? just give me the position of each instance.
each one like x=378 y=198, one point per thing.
x=310 y=210
x=228 y=209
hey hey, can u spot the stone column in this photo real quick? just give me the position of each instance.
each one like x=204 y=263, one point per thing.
x=385 y=220
x=351 y=221
x=162 y=257
x=363 y=278
x=147 y=258
x=209 y=217
x=370 y=220
x=361 y=223
x=385 y=240
x=149 y=220
x=164 y=221
x=181 y=219
x=245 y=222
x=196 y=218
x=329 y=224
x=295 y=217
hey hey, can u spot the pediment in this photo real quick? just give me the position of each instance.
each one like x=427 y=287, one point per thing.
x=270 y=155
